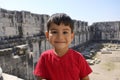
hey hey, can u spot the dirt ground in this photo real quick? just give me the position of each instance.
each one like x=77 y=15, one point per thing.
x=108 y=68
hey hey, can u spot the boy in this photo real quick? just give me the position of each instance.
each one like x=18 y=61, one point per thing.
x=61 y=63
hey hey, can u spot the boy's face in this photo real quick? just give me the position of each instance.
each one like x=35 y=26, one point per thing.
x=59 y=36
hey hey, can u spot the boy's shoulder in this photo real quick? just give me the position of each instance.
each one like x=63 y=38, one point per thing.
x=76 y=55
x=75 y=52
x=47 y=52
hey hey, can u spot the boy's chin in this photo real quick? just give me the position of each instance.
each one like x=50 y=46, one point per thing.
x=61 y=48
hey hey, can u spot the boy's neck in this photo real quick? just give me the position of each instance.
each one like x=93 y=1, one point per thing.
x=60 y=52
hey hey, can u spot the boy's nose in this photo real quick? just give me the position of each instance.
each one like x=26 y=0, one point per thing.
x=60 y=36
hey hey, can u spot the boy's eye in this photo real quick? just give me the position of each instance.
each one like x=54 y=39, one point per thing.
x=65 y=32
x=54 y=32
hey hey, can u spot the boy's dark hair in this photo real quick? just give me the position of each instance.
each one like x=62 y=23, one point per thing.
x=59 y=18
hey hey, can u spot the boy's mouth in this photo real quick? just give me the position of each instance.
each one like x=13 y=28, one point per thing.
x=59 y=42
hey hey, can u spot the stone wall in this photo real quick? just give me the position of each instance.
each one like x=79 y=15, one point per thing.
x=106 y=31
x=22 y=27
x=21 y=23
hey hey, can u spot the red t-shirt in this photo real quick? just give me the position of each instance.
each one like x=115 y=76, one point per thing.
x=71 y=66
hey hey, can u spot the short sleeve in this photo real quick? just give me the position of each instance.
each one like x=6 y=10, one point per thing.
x=40 y=69
x=85 y=69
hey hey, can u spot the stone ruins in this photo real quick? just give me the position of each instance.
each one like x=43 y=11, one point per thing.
x=22 y=39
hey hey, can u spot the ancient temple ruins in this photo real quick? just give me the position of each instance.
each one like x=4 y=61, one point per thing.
x=22 y=39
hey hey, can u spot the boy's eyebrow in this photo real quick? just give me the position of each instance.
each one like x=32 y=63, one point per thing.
x=53 y=29
x=66 y=29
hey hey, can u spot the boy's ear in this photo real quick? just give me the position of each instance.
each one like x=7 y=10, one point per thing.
x=47 y=34
x=72 y=37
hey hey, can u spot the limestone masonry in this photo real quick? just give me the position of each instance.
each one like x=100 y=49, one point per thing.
x=22 y=35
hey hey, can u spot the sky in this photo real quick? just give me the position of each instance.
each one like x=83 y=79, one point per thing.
x=84 y=10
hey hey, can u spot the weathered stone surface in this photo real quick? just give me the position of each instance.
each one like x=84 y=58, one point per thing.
x=22 y=27
x=106 y=31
